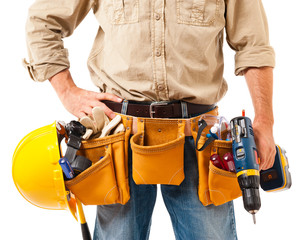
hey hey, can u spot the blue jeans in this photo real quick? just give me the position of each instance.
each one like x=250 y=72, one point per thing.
x=190 y=219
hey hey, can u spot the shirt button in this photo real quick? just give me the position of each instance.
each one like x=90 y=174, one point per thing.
x=160 y=87
x=158 y=53
x=157 y=16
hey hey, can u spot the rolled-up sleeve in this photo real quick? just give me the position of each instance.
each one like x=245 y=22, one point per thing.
x=248 y=34
x=47 y=24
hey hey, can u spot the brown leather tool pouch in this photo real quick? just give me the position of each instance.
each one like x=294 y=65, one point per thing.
x=158 y=151
x=106 y=181
x=216 y=186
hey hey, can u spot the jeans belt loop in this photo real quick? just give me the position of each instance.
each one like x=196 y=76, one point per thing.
x=184 y=109
x=124 y=107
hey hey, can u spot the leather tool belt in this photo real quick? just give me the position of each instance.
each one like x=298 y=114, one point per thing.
x=158 y=156
x=158 y=109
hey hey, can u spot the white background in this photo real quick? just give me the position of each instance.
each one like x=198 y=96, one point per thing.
x=26 y=105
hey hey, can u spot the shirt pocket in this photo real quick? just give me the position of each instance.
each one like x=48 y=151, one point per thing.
x=123 y=11
x=197 y=12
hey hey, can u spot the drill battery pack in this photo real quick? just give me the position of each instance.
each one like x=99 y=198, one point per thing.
x=278 y=177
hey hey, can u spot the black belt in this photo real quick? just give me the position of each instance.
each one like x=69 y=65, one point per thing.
x=158 y=109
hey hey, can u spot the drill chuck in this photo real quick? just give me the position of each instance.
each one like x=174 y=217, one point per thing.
x=250 y=192
x=251 y=199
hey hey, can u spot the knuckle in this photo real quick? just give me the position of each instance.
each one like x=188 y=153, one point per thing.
x=101 y=96
x=100 y=105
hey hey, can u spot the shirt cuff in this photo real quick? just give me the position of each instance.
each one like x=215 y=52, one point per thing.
x=40 y=72
x=255 y=57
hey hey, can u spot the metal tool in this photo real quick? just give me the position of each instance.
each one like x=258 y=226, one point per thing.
x=75 y=130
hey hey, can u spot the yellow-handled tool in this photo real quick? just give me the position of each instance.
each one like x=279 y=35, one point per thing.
x=84 y=226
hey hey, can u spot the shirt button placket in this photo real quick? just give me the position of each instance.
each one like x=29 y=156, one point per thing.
x=158 y=48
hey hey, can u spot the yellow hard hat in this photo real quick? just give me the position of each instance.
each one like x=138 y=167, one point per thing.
x=37 y=173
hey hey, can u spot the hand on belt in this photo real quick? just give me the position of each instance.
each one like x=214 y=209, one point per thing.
x=158 y=109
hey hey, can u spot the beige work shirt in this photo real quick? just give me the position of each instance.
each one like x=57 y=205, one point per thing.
x=152 y=50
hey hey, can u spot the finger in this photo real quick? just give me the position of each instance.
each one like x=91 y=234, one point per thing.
x=109 y=113
x=81 y=115
x=108 y=96
x=83 y=111
x=263 y=166
x=263 y=161
x=88 y=110
x=268 y=163
x=106 y=110
x=270 y=159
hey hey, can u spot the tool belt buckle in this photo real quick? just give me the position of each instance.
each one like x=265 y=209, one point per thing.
x=152 y=111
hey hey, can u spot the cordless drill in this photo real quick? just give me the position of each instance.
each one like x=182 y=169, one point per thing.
x=246 y=163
